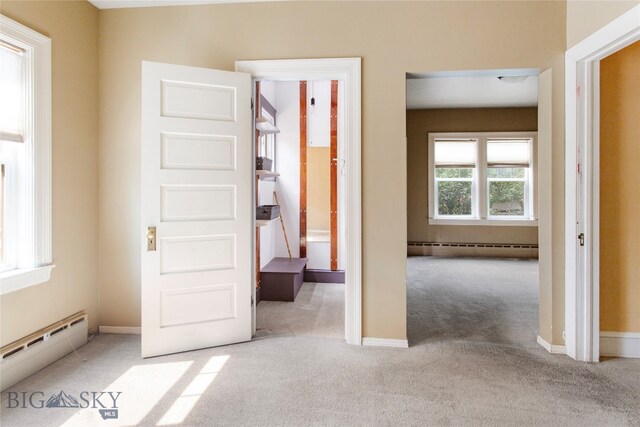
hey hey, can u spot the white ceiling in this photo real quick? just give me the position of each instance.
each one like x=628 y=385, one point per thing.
x=121 y=4
x=466 y=90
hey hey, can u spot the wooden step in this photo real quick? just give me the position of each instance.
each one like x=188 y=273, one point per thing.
x=323 y=276
x=281 y=279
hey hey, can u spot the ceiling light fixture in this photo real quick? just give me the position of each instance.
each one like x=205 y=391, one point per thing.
x=512 y=79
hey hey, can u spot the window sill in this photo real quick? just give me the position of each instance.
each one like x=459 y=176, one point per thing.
x=21 y=278
x=489 y=222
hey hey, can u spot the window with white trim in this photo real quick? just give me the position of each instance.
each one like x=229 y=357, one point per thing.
x=25 y=156
x=482 y=178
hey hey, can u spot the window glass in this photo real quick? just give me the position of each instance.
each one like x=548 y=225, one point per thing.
x=454 y=173
x=506 y=172
x=506 y=198
x=11 y=88
x=454 y=198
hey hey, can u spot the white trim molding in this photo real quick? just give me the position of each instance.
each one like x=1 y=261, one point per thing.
x=488 y=222
x=551 y=348
x=125 y=330
x=125 y=4
x=347 y=70
x=385 y=342
x=582 y=206
x=620 y=344
x=15 y=280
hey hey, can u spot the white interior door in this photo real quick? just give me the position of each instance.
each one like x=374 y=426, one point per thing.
x=197 y=163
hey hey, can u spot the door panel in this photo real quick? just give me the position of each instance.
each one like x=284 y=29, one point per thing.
x=198 y=202
x=198 y=101
x=196 y=152
x=197 y=191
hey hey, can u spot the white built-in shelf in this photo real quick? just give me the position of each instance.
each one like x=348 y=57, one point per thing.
x=263 y=222
x=266 y=174
x=265 y=126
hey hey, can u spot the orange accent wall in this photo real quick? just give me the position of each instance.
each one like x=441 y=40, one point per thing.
x=620 y=191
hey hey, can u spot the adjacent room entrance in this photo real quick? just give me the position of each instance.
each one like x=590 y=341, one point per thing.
x=478 y=145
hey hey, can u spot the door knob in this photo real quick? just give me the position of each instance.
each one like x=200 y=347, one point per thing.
x=151 y=239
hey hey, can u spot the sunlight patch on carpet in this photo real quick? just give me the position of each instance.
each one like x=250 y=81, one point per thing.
x=183 y=405
x=142 y=387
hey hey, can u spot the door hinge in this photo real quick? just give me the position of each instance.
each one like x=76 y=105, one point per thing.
x=251 y=301
x=252 y=104
x=581 y=238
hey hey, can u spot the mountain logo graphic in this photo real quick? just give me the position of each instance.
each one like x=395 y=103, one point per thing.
x=62 y=400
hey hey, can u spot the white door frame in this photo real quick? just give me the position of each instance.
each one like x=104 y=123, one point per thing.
x=347 y=70
x=582 y=206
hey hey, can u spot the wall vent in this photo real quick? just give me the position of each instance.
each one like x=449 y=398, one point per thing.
x=28 y=355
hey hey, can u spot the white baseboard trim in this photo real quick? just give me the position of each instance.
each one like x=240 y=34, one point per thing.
x=132 y=330
x=620 y=344
x=385 y=342
x=552 y=348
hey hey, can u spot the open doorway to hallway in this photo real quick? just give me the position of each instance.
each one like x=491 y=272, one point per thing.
x=472 y=180
x=300 y=243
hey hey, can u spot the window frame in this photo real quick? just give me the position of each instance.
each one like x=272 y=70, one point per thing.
x=33 y=226
x=480 y=183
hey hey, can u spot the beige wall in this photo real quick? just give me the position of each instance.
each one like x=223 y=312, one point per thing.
x=619 y=191
x=392 y=38
x=419 y=124
x=319 y=188
x=73 y=29
x=417 y=37
x=585 y=17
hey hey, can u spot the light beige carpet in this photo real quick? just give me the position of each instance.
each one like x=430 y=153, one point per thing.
x=475 y=375
x=317 y=311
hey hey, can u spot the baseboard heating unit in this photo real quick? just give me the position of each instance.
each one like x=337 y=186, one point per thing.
x=495 y=250
x=28 y=355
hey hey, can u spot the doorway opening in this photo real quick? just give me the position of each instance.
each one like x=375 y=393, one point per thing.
x=473 y=162
x=300 y=239
x=583 y=174
x=345 y=72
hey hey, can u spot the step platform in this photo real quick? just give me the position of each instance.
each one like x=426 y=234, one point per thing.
x=281 y=279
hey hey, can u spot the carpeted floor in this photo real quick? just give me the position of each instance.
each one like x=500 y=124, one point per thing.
x=473 y=299
x=318 y=311
x=476 y=373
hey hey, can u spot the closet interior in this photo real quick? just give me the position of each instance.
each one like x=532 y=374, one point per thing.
x=299 y=186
